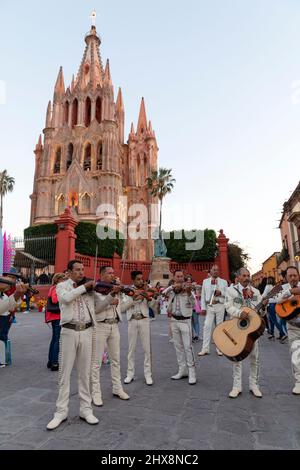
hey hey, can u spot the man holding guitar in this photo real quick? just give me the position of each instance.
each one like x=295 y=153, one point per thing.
x=290 y=292
x=237 y=297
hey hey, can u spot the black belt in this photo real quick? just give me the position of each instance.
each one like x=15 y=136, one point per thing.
x=77 y=326
x=110 y=321
x=180 y=317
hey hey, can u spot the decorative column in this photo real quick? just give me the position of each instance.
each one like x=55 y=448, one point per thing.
x=65 y=240
x=223 y=255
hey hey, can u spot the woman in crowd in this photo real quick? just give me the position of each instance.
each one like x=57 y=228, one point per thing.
x=52 y=316
x=273 y=320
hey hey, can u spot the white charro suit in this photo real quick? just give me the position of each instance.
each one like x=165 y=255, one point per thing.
x=293 y=328
x=137 y=312
x=75 y=346
x=107 y=332
x=214 y=311
x=181 y=305
x=234 y=303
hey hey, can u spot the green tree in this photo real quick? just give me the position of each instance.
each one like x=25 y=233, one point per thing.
x=6 y=186
x=160 y=183
x=237 y=258
x=176 y=245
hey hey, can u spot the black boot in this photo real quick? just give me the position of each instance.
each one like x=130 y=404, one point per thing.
x=55 y=367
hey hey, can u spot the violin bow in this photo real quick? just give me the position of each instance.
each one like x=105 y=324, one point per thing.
x=95 y=262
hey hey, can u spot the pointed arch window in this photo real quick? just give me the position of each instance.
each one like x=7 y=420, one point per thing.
x=75 y=113
x=88 y=112
x=86 y=203
x=87 y=158
x=57 y=162
x=69 y=155
x=61 y=204
x=66 y=112
x=99 y=109
x=100 y=156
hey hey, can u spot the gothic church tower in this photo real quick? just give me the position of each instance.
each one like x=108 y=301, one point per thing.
x=84 y=162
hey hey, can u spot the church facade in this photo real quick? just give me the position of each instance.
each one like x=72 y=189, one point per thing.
x=83 y=162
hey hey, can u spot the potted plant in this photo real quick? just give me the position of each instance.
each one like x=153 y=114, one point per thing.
x=41 y=304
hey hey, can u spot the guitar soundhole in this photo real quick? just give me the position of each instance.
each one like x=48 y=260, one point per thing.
x=294 y=303
x=243 y=324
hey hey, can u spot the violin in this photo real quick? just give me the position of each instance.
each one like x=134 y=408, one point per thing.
x=105 y=288
x=147 y=292
x=183 y=288
x=10 y=283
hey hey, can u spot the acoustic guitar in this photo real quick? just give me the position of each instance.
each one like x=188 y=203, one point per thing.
x=235 y=338
x=289 y=309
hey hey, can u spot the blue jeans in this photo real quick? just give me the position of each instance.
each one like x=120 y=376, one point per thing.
x=54 y=345
x=282 y=322
x=274 y=321
x=195 y=324
x=151 y=313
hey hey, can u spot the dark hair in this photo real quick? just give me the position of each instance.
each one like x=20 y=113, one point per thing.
x=134 y=274
x=71 y=264
x=292 y=267
x=178 y=271
x=103 y=269
x=271 y=280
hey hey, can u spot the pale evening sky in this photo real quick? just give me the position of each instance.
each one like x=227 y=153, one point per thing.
x=221 y=81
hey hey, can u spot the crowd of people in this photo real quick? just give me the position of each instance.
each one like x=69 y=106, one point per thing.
x=85 y=323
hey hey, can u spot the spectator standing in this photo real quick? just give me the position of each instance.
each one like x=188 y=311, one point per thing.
x=52 y=316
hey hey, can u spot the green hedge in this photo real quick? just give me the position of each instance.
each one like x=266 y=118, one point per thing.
x=177 y=248
x=85 y=243
x=87 y=240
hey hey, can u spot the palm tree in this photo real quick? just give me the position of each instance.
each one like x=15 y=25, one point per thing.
x=160 y=184
x=6 y=186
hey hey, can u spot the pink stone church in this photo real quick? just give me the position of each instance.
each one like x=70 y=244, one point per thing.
x=83 y=162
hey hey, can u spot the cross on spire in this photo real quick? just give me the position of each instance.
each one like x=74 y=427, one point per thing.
x=93 y=18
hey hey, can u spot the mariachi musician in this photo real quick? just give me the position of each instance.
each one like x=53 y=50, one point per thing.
x=8 y=303
x=238 y=296
x=289 y=290
x=107 y=332
x=180 y=309
x=212 y=305
x=137 y=310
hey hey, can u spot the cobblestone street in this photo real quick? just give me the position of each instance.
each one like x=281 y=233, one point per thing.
x=168 y=415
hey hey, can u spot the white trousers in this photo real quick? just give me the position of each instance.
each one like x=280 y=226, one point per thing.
x=141 y=328
x=75 y=346
x=182 y=336
x=110 y=335
x=214 y=312
x=294 y=343
x=254 y=369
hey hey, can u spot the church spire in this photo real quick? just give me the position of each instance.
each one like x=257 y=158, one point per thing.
x=107 y=75
x=142 y=122
x=49 y=115
x=119 y=102
x=91 y=68
x=59 y=88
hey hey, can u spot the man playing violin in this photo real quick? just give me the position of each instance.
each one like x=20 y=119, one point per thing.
x=8 y=303
x=289 y=290
x=137 y=310
x=180 y=308
x=79 y=304
x=107 y=332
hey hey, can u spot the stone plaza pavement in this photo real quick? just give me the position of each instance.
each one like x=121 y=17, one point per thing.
x=169 y=415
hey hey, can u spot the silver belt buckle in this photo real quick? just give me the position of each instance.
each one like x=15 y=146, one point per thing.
x=80 y=327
